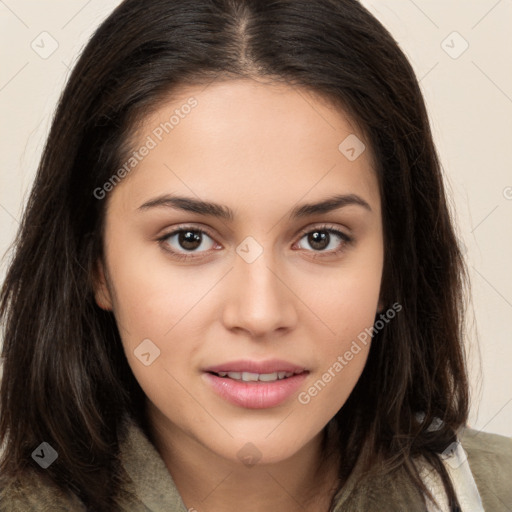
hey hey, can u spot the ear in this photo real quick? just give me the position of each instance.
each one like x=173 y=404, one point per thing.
x=101 y=291
x=380 y=306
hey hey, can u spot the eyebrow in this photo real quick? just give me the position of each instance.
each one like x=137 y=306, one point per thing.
x=200 y=207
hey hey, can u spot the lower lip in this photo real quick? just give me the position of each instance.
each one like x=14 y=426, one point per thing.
x=255 y=395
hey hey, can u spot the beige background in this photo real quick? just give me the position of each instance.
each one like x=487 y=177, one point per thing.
x=469 y=96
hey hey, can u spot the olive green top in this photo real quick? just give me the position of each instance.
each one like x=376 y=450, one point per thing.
x=151 y=487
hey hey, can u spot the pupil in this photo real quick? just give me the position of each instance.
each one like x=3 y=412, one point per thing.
x=318 y=239
x=189 y=239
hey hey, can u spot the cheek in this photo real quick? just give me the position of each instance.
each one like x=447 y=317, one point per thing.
x=325 y=394
x=345 y=303
x=341 y=356
x=154 y=308
x=346 y=308
x=152 y=296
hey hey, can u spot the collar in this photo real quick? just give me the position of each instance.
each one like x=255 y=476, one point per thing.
x=151 y=483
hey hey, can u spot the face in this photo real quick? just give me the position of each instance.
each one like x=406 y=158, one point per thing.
x=239 y=320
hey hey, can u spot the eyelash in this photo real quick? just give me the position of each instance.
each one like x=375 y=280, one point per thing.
x=346 y=240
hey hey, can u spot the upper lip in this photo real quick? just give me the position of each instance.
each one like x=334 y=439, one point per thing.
x=270 y=366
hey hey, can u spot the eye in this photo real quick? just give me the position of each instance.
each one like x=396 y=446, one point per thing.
x=185 y=240
x=326 y=239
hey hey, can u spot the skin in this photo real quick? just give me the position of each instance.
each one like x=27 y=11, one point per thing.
x=260 y=149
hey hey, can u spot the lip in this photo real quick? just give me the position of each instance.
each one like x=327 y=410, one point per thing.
x=259 y=394
x=246 y=365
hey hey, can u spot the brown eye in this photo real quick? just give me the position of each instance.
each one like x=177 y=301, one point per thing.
x=189 y=240
x=326 y=240
x=319 y=240
x=186 y=240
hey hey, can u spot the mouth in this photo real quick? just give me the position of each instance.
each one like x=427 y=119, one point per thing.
x=255 y=385
x=257 y=377
x=250 y=368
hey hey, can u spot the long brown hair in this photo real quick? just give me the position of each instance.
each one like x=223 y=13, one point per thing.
x=66 y=379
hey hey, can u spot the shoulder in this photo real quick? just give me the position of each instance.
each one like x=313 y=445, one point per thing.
x=34 y=492
x=490 y=460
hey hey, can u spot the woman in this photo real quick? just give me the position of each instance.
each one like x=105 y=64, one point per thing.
x=236 y=285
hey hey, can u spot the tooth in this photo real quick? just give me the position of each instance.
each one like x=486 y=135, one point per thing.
x=254 y=377
x=267 y=377
x=249 y=377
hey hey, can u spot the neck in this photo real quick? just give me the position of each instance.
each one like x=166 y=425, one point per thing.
x=208 y=482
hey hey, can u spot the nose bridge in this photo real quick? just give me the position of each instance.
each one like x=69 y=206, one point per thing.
x=259 y=301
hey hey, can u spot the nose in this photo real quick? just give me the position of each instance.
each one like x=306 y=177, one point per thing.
x=259 y=300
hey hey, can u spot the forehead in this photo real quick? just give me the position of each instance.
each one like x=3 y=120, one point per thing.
x=246 y=142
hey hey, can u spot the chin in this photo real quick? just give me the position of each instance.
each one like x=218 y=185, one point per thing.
x=261 y=449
